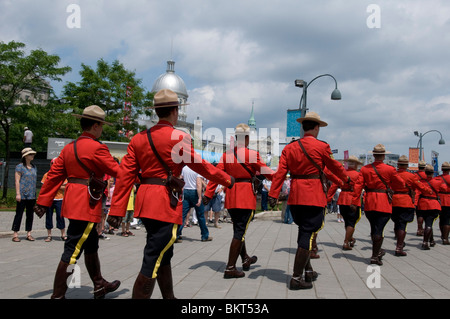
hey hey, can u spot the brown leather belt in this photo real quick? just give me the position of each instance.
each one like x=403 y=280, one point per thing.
x=242 y=180
x=428 y=197
x=154 y=181
x=369 y=190
x=400 y=192
x=74 y=180
x=310 y=176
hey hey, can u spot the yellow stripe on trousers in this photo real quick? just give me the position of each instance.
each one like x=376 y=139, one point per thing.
x=315 y=233
x=246 y=226
x=87 y=231
x=172 y=240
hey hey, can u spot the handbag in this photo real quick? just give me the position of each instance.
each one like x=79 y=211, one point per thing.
x=96 y=186
x=174 y=184
x=255 y=181
x=389 y=191
x=322 y=176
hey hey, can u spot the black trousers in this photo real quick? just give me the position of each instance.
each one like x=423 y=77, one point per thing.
x=241 y=219
x=350 y=218
x=82 y=237
x=158 y=250
x=378 y=221
x=24 y=204
x=444 y=216
x=401 y=216
x=309 y=220
x=429 y=216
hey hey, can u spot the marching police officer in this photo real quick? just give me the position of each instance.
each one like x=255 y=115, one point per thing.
x=77 y=162
x=240 y=200
x=351 y=218
x=305 y=160
x=403 y=206
x=444 y=217
x=159 y=154
x=377 y=179
x=429 y=206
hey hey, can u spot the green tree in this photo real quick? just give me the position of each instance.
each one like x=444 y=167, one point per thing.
x=112 y=87
x=24 y=73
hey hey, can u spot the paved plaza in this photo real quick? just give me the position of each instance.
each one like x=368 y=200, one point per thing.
x=27 y=268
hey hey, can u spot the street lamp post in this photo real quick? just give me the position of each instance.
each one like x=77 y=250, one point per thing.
x=335 y=95
x=419 y=144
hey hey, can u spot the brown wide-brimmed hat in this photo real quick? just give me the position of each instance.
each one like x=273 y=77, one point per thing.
x=445 y=166
x=166 y=98
x=314 y=117
x=242 y=129
x=93 y=112
x=28 y=151
x=353 y=159
x=379 y=149
x=429 y=169
x=422 y=164
x=403 y=160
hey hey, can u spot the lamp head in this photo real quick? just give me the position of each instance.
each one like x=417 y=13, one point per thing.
x=441 y=141
x=416 y=133
x=336 y=95
x=300 y=83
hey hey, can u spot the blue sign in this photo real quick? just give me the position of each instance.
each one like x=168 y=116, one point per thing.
x=292 y=126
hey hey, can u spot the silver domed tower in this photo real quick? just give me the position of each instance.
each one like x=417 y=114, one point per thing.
x=171 y=81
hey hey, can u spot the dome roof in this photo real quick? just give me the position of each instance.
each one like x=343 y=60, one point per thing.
x=171 y=81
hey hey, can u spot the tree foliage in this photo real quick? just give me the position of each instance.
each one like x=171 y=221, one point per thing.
x=19 y=73
x=111 y=87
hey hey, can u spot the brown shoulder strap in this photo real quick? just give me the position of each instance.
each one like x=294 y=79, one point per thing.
x=166 y=167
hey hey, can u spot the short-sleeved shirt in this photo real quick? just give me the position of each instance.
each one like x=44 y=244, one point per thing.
x=28 y=136
x=190 y=178
x=268 y=184
x=60 y=194
x=27 y=181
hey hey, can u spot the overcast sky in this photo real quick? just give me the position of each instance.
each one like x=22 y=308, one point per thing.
x=390 y=59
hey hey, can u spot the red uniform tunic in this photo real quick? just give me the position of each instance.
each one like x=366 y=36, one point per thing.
x=305 y=191
x=97 y=158
x=402 y=196
x=430 y=202
x=422 y=177
x=368 y=179
x=445 y=194
x=152 y=201
x=241 y=195
x=346 y=195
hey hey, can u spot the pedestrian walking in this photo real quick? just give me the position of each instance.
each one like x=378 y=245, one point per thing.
x=306 y=159
x=351 y=218
x=158 y=155
x=83 y=163
x=240 y=200
x=403 y=206
x=192 y=198
x=25 y=183
x=377 y=179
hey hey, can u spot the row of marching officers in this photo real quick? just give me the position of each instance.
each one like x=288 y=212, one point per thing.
x=387 y=193
x=397 y=195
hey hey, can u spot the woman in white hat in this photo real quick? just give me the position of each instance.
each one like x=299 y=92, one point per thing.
x=25 y=178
